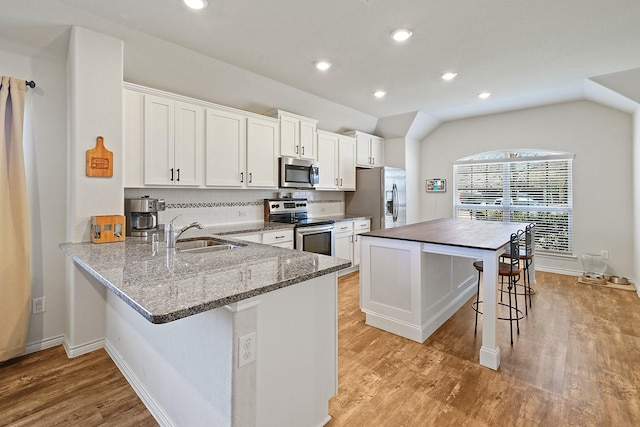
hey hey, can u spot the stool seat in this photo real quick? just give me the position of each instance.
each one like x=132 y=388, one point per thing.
x=523 y=254
x=504 y=269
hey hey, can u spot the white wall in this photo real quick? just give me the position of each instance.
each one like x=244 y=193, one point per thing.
x=636 y=195
x=45 y=138
x=600 y=138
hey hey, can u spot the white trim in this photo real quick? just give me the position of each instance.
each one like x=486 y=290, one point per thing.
x=556 y=270
x=43 y=344
x=137 y=386
x=79 y=350
x=595 y=92
x=325 y=421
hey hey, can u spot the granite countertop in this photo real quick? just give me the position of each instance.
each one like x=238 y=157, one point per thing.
x=340 y=218
x=166 y=285
x=248 y=227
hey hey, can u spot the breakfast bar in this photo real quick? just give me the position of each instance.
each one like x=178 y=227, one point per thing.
x=413 y=278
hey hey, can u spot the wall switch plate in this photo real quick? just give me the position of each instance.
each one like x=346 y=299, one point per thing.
x=38 y=305
x=246 y=349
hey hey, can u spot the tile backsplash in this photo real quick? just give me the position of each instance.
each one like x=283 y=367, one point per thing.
x=219 y=207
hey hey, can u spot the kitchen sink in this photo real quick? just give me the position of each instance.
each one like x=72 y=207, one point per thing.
x=205 y=244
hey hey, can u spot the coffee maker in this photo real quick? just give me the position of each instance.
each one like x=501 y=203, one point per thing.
x=142 y=215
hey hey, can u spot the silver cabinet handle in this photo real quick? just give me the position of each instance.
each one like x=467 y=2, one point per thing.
x=303 y=150
x=241 y=176
x=172 y=174
x=340 y=182
x=296 y=149
x=336 y=181
x=280 y=237
x=250 y=176
x=178 y=170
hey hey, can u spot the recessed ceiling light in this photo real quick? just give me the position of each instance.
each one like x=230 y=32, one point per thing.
x=323 y=65
x=449 y=75
x=484 y=95
x=401 y=34
x=195 y=4
x=379 y=94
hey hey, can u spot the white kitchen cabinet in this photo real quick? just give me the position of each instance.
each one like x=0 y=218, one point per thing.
x=133 y=121
x=241 y=151
x=346 y=163
x=359 y=227
x=344 y=240
x=280 y=238
x=263 y=136
x=369 y=149
x=297 y=135
x=327 y=159
x=225 y=146
x=173 y=142
x=336 y=160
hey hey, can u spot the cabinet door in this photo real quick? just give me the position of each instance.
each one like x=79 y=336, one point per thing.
x=133 y=138
x=189 y=146
x=289 y=136
x=356 y=250
x=327 y=162
x=225 y=143
x=158 y=141
x=377 y=151
x=363 y=153
x=307 y=139
x=251 y=237
x=262 y=148
x=346 y=163
x=343 y=246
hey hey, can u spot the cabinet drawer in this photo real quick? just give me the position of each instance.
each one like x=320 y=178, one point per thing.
x=271 y=237
x=250 y=237
x=361 y=226
x=345 y=227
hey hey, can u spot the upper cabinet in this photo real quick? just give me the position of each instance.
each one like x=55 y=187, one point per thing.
x=297 y=135
x=369 y=149
x=263 y=137
x=241 y=151
x=173 y=142
x=336 y=160
x=225 y=148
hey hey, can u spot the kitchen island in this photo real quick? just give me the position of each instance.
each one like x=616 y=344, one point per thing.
x=240 y=337
x=415 y=277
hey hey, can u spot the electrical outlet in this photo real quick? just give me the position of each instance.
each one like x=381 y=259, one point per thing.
x=604 y=254
x=38 y=306
x=246 y=349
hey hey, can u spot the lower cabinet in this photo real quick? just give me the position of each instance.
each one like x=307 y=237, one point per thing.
x=280 y=238
x=347 y=239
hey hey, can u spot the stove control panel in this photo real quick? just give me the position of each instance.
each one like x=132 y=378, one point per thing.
x=285 y=206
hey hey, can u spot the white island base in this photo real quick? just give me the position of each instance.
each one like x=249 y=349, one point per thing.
x=188 y=372
x=409 y=292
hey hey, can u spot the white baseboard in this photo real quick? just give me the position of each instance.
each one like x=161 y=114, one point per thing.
x=563 y=271
x=44 y=344
x=138 y=387
x=351 y=269
x=79 y=350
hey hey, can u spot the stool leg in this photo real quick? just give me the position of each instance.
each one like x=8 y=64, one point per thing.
x=475 y=330
x=515 y=296
x=510 y=311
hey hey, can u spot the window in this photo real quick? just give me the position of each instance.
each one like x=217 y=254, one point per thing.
x=519 y=186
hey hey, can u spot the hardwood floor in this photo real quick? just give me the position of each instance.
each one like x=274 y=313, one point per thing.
x=48 y=389
x=575 y=362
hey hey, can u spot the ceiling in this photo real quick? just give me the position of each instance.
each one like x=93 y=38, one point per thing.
x=520 y=50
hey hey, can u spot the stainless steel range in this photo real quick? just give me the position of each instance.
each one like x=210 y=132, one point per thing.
x=311 y=235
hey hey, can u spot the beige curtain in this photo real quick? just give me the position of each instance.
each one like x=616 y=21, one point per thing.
x=15 y=268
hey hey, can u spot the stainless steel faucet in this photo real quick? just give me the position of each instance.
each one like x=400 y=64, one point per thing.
x=172 y=235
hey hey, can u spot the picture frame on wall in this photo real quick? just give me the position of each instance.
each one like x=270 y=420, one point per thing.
x=436 y=185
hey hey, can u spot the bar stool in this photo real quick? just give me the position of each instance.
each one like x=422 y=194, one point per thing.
x=511 y=270
x=526 y=255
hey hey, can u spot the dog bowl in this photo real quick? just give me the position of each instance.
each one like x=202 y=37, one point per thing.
x=618 y=280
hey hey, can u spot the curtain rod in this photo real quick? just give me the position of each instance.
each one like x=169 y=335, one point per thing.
x=30 y=83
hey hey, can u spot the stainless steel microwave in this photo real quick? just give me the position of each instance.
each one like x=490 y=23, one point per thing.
x=298 y=173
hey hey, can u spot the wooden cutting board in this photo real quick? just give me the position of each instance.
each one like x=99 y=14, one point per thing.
x=99 y=160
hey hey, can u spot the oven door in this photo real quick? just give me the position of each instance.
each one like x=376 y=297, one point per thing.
x=320 y=239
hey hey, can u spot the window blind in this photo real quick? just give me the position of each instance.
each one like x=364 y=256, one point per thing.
x=519 y=187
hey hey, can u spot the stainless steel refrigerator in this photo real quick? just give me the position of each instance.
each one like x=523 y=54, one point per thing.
x=381 y=194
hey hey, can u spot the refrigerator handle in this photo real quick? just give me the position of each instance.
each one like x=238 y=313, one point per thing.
x=396 y=203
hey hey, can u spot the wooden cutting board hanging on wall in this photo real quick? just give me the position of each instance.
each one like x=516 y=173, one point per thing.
x=99 y=160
